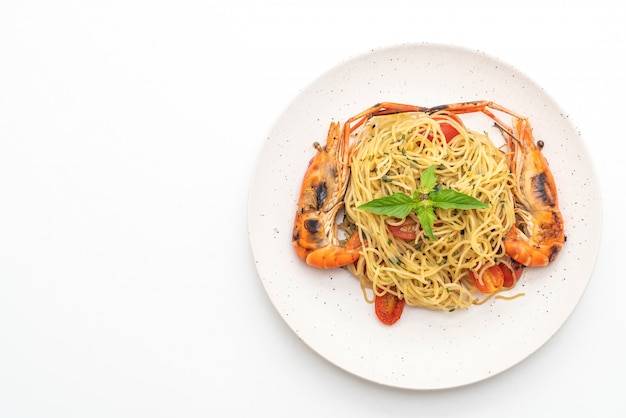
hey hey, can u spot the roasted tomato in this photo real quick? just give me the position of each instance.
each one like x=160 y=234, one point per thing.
x=407 y=230
x=511 y=276
x=492 y=280
x=448 y=130
x=388 y=308
x=509 y=280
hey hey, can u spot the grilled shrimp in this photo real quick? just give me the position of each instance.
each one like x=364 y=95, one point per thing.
x=315 y=233
x=538 y=235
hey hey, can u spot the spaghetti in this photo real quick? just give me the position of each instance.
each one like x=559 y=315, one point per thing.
x=390 y=154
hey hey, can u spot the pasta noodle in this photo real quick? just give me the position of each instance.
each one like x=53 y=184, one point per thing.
x=390 y=154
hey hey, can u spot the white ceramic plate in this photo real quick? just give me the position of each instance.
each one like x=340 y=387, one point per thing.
x=424 y=350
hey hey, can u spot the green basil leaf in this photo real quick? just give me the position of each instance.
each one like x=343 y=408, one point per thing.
x=398 y=205
x=451 y=199
x=426 y=216
x=427 y=180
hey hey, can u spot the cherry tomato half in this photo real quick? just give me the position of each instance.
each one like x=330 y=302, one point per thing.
x=449 y=131
x=388 y=308
x=509 y=280
x=492 y=280
x=406 y=230
x=511 y=276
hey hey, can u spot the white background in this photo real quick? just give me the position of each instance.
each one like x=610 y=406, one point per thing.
x=129 y=131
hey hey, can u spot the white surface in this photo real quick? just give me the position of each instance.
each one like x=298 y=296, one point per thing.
x=425 y=350
x=128 y=135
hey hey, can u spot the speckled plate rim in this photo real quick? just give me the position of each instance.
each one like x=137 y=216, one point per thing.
x=425 y=350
